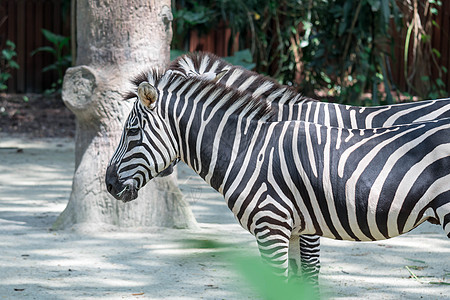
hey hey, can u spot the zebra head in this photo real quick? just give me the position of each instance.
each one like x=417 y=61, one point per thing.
x=146 y=147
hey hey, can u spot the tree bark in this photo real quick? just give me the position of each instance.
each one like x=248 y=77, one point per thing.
x=115 y=40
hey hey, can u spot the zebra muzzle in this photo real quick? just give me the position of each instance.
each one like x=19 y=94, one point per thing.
x=123 y=191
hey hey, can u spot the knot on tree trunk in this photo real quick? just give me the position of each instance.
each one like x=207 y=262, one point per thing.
x=78 y=87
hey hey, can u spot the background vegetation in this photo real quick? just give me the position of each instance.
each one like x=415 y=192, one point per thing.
x=364 y=52
x=339 y=49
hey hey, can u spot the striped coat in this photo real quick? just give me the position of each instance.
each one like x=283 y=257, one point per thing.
x=282 y=179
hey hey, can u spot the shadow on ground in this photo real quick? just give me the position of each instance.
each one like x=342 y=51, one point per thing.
x=35 y=184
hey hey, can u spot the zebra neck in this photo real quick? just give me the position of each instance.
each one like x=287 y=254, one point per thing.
x=214 y=149
x=213 y=125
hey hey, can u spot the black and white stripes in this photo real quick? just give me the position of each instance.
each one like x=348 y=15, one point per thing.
x=288 y=105
x=282 y=179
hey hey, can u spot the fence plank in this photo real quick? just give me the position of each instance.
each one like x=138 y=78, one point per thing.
x=23 y=27
x=30 y=46
x=38 y=41
x=21 y=46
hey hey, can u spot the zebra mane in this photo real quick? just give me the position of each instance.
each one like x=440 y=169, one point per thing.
x=200 y=62
x=258 y=109
x=203 y=62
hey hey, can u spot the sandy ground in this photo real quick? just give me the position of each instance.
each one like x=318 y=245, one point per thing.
x=37 y=263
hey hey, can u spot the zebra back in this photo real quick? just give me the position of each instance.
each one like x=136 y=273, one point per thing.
x=291 y=105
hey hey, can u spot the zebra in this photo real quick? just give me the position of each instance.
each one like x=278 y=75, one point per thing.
x=290 y=105
x=282 y=179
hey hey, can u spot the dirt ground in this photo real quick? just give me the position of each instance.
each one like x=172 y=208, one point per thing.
x=35 y=115
x=154 y=263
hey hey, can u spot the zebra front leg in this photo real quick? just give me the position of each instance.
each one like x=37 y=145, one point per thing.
x=273 y=248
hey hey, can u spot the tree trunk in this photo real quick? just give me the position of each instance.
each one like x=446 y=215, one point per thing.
x=115 y=40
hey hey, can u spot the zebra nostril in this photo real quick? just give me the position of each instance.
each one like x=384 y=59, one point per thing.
x=109 y=187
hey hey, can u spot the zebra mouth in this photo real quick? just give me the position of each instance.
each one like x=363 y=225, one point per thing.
x=124 y=191
x=128 y=193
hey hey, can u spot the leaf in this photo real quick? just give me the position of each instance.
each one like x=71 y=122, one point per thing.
x=405 y=53
x=417 y=267
x=13 y=64
x=342 y=27
x=53 y=37
x=385 y=10
x=64 y=43
x=10 y=44
x=325 y=77
x=413 y=275
x=8 y=54
x=440 y=83
x=436 y=52
x=374 y=5
x=439 y=282
x=4 y=76
x=425 y=38
x=175 y=53
x=49 y=68
x=416 y=260
x=435 y=24
x=241 y=58
x=267 y=284
x=43 y=49
x=348 y=8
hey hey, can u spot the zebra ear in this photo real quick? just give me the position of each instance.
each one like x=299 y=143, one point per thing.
x=147 y=94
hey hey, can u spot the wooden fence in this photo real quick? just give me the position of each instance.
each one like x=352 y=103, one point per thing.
x=23 y=24
x=25 y=18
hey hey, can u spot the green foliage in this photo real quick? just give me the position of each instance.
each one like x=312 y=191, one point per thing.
x=240 y=58
x=343 y=47
x=340 y=45
x=255 y=273
x=193 y=16
x=419 y=56
x=7 y=63
x=174 y=53
x=61 y=60
x=349 y=42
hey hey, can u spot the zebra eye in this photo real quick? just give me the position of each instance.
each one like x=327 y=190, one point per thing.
x=132 y=131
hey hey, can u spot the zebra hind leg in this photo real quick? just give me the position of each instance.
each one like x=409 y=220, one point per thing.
x=304 y=263
x=310 y=258
x=294 y=258
x=304 y=255
x=443 y=213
